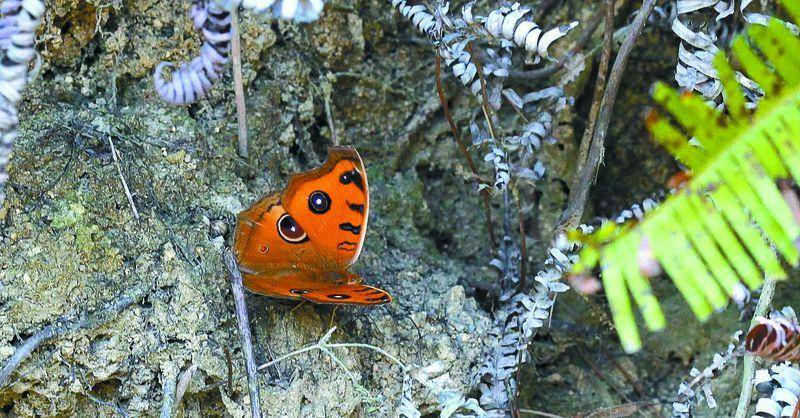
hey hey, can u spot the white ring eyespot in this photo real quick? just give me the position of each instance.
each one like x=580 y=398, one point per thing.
x=319 y=202
x=290 y=231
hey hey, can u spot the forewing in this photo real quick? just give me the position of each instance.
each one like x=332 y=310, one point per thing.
x=337 y=232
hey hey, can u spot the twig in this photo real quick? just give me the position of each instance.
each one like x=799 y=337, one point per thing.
x=748 y=370
x=523 y=250
x=168 y=391
x=115 y=157
x=619 y=411
x=602 y=375
x=244 y=332
x=578 y=195
x=238 y=85
x=65 y=325
x=625 y=373
x=487 y=208
x=229 y=361
x=321 y=345
x=329 y=114
x=599 y=88
x=487 y=108
x=539 y=413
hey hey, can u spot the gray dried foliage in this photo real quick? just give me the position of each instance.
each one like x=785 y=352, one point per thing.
x=18 y=27
x=778 y=387
x=191 y=81
x=698 y=389
x=461 y=40
x=706 y=27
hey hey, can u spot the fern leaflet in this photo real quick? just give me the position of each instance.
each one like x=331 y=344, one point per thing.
x=730 y=223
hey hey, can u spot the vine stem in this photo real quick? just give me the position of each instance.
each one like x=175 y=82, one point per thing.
x=238 y=86
x=579 y=195
x=599 y=89
x=245 y=335
x=461 y=146
x=749 y=363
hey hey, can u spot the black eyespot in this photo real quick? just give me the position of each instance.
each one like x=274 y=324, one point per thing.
x=352 y=176
x=290 y=231
x=319 y=202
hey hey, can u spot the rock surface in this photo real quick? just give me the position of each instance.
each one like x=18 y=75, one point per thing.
x=70 y=243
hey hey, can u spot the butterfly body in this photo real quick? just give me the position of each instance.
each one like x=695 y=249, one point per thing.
x=301 y=242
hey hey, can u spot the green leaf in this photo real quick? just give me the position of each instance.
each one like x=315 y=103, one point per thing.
x=729 y=226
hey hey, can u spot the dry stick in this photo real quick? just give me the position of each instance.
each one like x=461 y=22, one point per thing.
x=115 y=157
x=599 y=88
x=168 y=390
x=487 y=109
x=322 y=346
x=539 y=413
x=461 y=146
x=624 y=410
x=602 y=375
x=522 y=244
x=579 y=194
x=748 y=370
x=238 y=86
x=329 y=117
x=63 y=326
x=244 y=332
x=229 y=361
x=625 y=373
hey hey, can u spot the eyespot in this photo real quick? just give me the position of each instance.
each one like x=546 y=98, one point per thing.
x=319 y=202
x=290 y=231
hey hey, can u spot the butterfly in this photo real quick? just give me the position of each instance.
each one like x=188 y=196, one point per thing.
x=299 y=243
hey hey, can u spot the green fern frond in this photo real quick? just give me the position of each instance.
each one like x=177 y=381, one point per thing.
x=730 y=223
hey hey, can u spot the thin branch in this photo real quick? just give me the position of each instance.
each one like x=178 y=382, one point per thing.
x=168 y=394
x=539 y=413
x=322 y=346
x=115 y=157
x=326 y=97
x=578 y=195
x=65 y=325
x=599 y=88
x=487 y=108
x=602 y=375
x=238 y=86
x=748 y=370
x=461 y=146
x=523 y=258
x=244 y=332
x=637 y=387
x=618 y=411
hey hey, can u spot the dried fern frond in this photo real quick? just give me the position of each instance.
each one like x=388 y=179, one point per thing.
x=776 y=338
x=719 y=231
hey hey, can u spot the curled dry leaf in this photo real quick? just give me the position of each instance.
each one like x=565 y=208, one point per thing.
x=775 y=338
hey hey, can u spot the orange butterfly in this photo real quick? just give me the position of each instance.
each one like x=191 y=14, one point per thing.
x=299 y=243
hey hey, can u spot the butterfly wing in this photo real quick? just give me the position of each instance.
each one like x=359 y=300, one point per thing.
x=349 y=294
x=308 y=286
x=262 y=246
x=299 y=244
x=331 y=203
